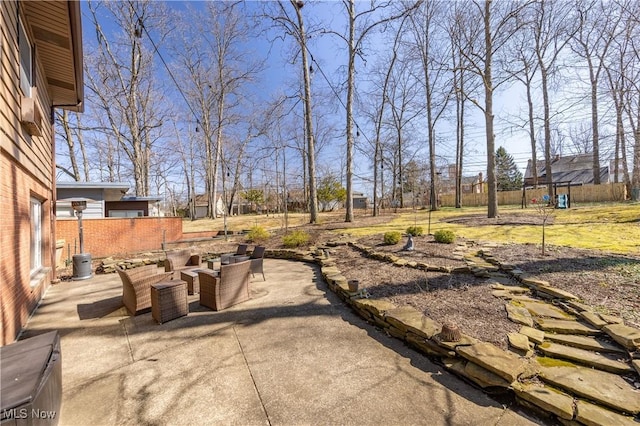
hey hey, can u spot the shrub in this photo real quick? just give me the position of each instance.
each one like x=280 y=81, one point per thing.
x=257 y=234
x=415 y=231
x=295 y=239
x=444 y=236
x=392 y=237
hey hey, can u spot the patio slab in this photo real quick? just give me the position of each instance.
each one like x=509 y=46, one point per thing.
x=293 y=354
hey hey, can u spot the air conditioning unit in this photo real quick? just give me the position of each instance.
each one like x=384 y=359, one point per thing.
x=30 y=115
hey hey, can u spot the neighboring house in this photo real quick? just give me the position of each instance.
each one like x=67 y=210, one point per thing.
x=41 y=61
x=571 y=169
x=100 y=195
x=359 y=200
x=202 y=202
x=106 y=199
x=132 y=206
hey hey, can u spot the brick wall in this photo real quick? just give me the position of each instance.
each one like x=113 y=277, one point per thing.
x=119 y=236
x=20 y=290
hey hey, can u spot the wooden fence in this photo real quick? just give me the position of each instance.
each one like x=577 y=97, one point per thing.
x=579 y=194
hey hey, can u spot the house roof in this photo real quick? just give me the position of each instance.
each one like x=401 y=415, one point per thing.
x=571 y=168
x=57 y=29
x=136 y=198
x=113 y=191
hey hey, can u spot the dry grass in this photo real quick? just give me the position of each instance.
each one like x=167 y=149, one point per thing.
x=613 y=227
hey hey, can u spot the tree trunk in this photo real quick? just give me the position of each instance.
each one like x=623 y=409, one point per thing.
x=532 y=138
x=547 y=130
x=492 y=208
x=594 y=126
x=350 y=90
x=311 y=151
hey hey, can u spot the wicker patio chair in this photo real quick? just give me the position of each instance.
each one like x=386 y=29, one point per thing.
x=226 y=259
x=256 y=259
x=228 y=288
x=136 y=286
x=181 y=260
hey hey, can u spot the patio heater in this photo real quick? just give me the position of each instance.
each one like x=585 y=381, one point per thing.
x=81 y=261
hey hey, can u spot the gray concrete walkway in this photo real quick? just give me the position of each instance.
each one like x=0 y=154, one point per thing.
x=293 y=355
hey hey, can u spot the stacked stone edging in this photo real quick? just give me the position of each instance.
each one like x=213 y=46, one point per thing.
x=488 y=366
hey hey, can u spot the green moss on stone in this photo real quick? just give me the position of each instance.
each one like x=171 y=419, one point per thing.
x=552 y=362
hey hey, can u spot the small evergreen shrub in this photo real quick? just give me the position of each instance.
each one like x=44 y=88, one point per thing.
x=392 y=237
x=295 y=239
x=415 y=231
x=444 y=236
x=257 y=234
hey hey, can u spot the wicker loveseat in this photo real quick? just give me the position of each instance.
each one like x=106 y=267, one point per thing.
x=136 y=286
x=180 y=260
x=228 y=288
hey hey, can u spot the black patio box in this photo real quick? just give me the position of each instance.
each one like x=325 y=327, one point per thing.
x=31 y=381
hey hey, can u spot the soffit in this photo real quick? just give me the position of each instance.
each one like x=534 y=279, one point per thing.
x=57 y=30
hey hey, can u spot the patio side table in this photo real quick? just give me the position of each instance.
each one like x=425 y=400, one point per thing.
x=211 y=263
x=191 y=277
x=169 y=300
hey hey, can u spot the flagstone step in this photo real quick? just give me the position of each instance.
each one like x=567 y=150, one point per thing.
x=519 y=315
x=547 y=398
x=543 y=309
x=584 y=342
x=506 y=365
x=409 y=319
x=585 y=357
x=534 y=335
x=566 y=327
x=628 y=337
x=602 y=387
x=594 y=415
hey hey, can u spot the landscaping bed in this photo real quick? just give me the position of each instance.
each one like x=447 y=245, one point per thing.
x=608 y=282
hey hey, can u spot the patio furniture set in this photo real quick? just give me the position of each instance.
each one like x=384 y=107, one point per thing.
x=166 y=292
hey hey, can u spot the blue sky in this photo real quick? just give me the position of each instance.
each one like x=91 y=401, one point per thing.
x=330 y=57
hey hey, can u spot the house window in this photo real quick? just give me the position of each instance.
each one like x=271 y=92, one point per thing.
x=36 y=235
x=126 y=213
x=26 y=60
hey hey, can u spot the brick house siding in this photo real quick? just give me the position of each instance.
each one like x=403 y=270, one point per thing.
x=27 y=169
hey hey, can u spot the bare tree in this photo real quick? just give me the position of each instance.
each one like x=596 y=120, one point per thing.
x=355 y=47
x=402 y=95
x=525 y=71
x=212 y=55
x=551 y=32
x=433 y=52
x=71 y=132
x=580 y=137
x=591 y=42
x=456 y=30
x=620 y=68
x=122 y=83
x=498 y=22
x=293 y=26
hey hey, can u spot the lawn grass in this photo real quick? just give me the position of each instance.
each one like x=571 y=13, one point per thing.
x=239 y=223
x=613 y=227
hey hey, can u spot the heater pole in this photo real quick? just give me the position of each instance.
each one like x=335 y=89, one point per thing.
x=79 y=213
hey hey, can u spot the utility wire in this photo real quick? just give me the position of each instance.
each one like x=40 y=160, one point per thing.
x=156 y=50
x=335 y=92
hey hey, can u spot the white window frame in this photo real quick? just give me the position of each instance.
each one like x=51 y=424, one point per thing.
x=25 y=52
x=36 y=235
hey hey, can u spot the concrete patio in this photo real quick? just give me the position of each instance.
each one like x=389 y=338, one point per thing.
x=294 y=354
